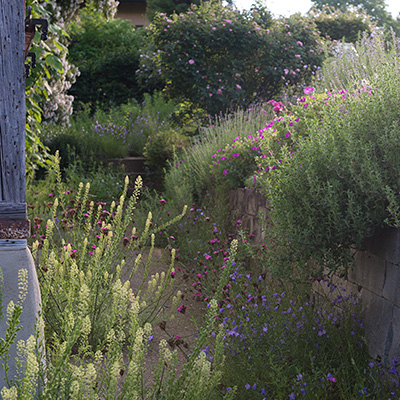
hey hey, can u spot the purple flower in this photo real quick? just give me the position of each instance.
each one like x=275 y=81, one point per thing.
x=329 y=377
x=299 y=377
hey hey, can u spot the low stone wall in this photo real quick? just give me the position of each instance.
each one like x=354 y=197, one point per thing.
x=134 y=166
x=247 y=205
x=374 y=276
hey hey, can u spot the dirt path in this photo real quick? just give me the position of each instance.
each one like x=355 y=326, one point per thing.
x=179 y=332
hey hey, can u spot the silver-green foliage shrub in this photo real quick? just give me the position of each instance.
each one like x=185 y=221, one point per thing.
x=331 y=193
x=193 y=170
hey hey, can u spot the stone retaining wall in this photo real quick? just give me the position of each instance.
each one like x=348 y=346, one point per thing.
x=247 y=205
x=374 y=277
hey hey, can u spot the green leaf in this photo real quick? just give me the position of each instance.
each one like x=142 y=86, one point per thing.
x=52 y=61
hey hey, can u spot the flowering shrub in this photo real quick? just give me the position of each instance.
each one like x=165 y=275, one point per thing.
x=231 y=165
x=247 y=160
x=278 y=140
x=331 y=193
x=203 y=55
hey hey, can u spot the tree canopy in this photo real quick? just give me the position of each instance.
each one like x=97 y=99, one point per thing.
x=376 y=9
x=168 y=6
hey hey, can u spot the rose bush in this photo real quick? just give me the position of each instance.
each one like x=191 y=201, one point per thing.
x=207 y=55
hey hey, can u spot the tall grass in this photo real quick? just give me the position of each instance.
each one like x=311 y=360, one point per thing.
x=189 y=178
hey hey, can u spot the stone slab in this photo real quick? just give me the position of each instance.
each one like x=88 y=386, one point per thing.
x=385 y=244
x=377 y=314
x=368 y=271
x=391 y=290
x=394 y=350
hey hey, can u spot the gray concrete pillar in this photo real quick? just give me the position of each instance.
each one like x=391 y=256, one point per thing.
x=14 y=256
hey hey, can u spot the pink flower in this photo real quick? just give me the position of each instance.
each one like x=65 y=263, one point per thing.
x=225 y=172
x=191 y=62
x=238 y=86
x=308 y=90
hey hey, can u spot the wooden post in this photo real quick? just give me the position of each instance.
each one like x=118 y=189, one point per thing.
x=13 y=219
x=14 y=224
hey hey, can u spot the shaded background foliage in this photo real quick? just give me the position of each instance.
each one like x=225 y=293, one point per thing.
x=106 y=53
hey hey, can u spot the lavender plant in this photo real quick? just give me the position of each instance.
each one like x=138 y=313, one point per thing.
x=192 y=170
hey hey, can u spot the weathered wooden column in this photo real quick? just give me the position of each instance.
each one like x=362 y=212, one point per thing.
x=14 y=224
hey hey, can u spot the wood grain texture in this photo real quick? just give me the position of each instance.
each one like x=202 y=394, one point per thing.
x=12 y=102
x=12 y=211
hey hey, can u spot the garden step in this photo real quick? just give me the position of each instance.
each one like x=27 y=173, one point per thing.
x=133 y=165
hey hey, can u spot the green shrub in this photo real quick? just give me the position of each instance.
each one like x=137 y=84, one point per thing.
x=116 y=133
x=161 y=147
x=106 y=53
x=204 y=55
x=331 y=193
x=334 y=24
